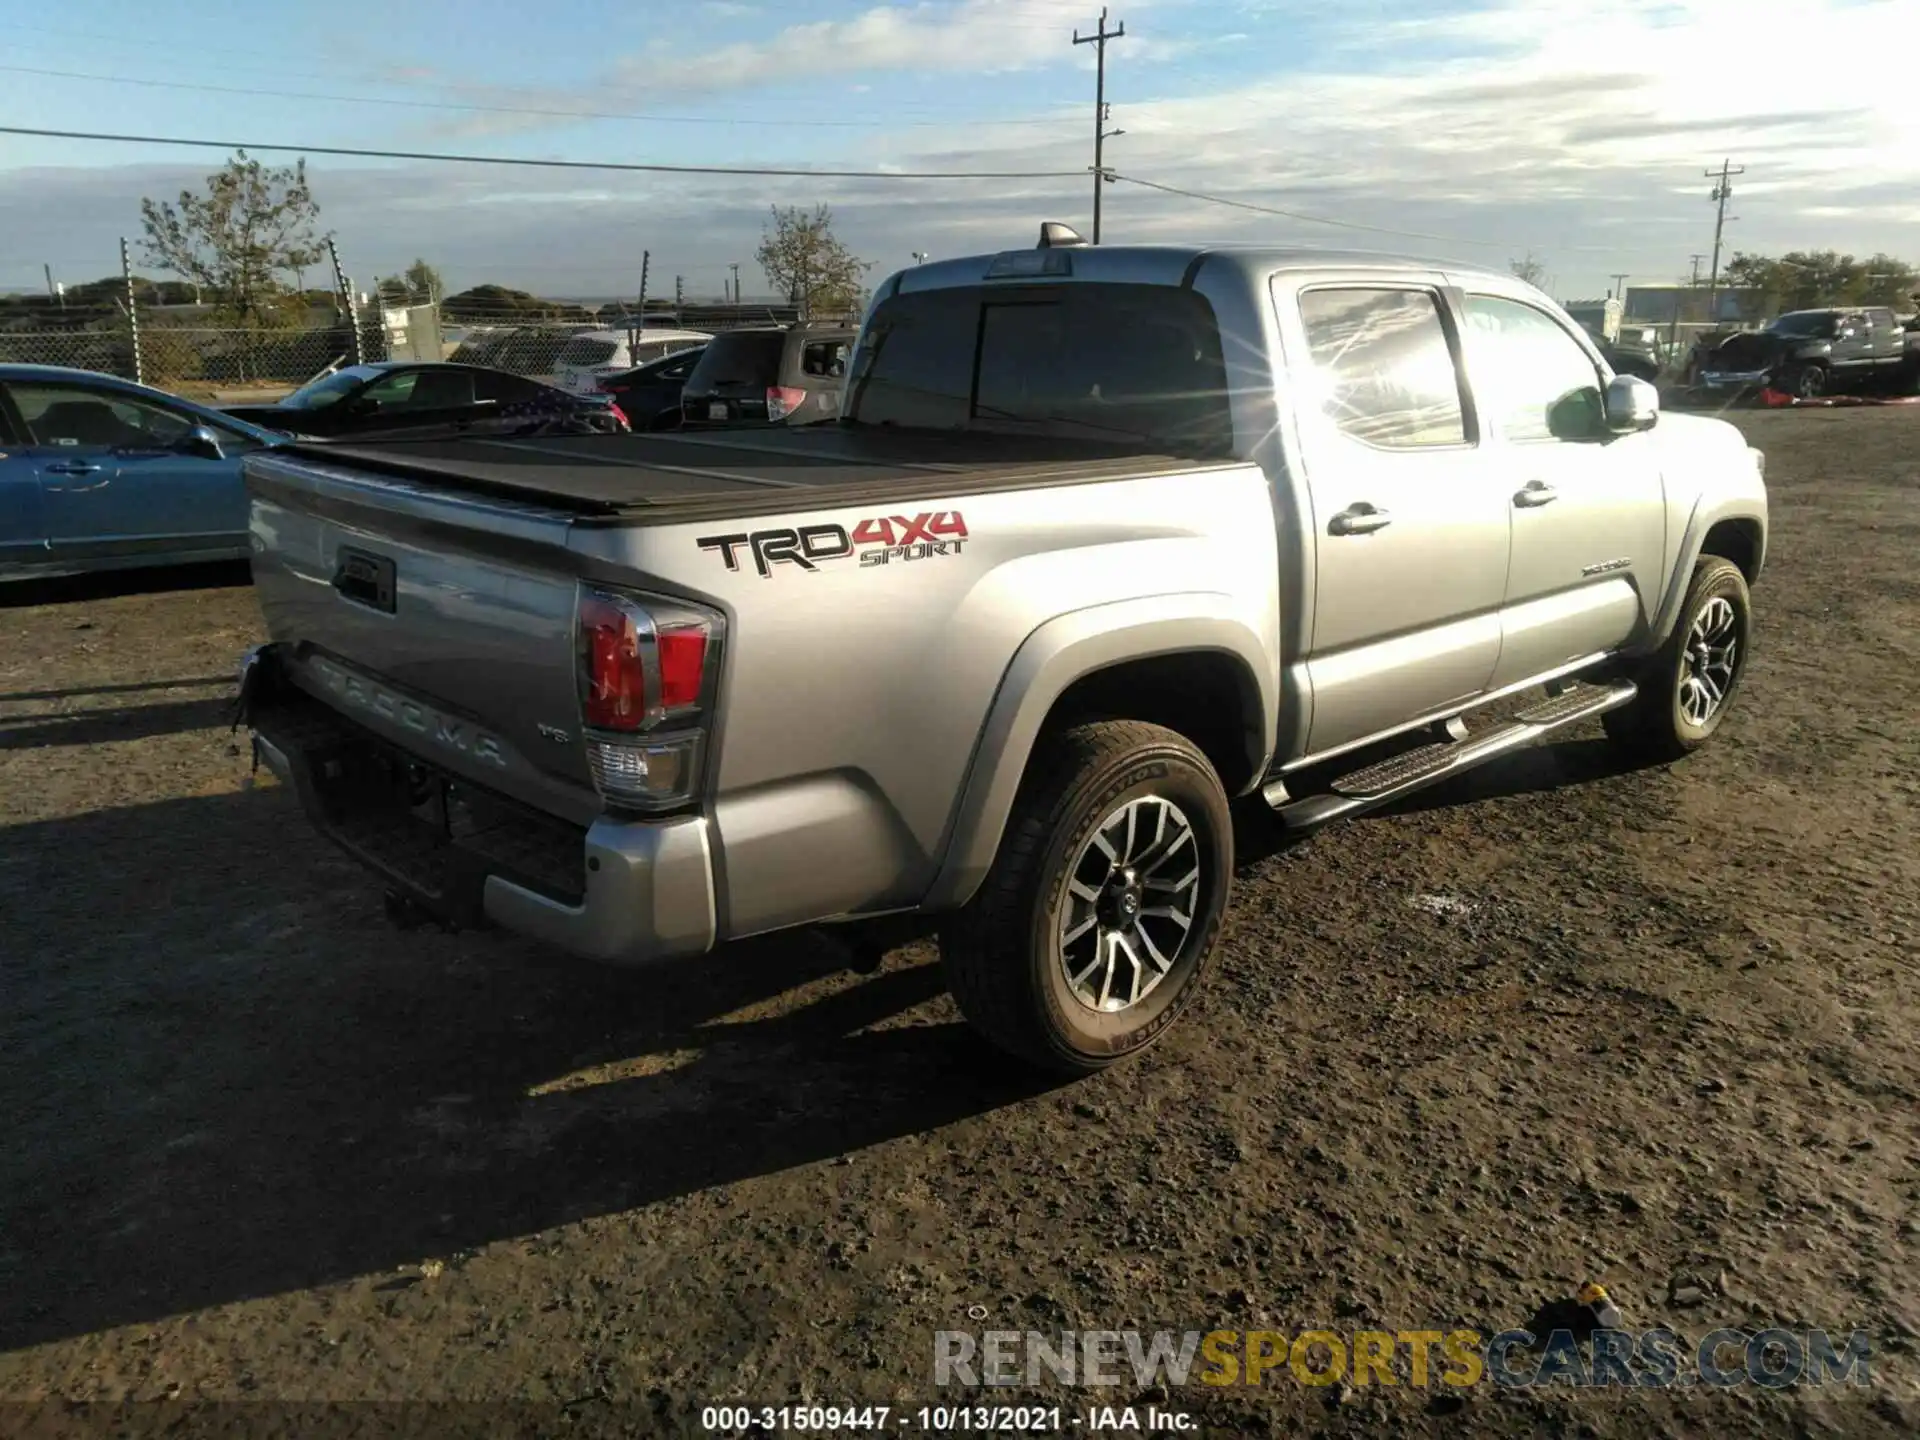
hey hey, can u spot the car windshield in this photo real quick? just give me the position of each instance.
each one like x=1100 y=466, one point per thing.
x=1804 y=322
x=331 y=390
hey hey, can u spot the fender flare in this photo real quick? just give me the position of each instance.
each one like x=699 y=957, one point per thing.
x=1692 y=542
x=1068 y=648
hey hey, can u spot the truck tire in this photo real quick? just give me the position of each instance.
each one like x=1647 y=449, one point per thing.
x=1807 y=382
x=1687 y=686
x=1074 y=954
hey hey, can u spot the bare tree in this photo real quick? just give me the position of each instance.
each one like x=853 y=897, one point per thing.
x=253 y=226
x=1533 y=271
x=804 y=260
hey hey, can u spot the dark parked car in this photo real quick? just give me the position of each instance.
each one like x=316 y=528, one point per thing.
x=396 y=398
x=772 y=375
x=649 y=394
x=1634 y=351
x=97 y=473
x=1809 y=353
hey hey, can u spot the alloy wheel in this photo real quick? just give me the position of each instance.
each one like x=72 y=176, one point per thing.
x=1712 y=657
x=1133 y=895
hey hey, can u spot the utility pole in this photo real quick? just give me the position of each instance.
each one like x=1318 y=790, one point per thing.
x=345 y=292
x=919 y=257
x=1619 y=291
x=646 y=259
x=735 y=267
x=1720 y=194
x=1101 y=134
x=52 y=294
x=133 y=311
x=679 y=299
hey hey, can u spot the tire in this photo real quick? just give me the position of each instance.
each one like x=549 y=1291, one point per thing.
x=1007 y=952
x=1807 y=382
x=1664 y=721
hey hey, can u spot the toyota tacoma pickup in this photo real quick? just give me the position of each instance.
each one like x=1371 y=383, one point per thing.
x=1106 y=538
x=1811 y=353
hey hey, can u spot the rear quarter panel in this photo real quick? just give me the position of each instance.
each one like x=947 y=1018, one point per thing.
x=855 y=692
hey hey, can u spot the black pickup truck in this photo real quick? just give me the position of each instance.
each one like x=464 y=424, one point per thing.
x=1810 y=353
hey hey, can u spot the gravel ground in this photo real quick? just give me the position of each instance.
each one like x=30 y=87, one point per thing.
x=1556 y=1021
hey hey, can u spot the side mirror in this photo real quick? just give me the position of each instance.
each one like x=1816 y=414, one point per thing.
x=1632 y=405
x=201 y=443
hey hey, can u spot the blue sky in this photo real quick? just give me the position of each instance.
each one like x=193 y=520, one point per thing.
x=1573 y=131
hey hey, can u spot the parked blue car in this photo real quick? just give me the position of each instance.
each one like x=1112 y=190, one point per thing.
x=98 y=473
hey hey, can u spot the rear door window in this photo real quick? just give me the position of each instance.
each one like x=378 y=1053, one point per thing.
x=1382 y=368
x=500 y=389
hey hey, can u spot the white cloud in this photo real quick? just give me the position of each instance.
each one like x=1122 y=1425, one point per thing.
x=1577 y=130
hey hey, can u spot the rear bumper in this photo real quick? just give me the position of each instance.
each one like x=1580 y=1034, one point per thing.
x=1733 y=379
x=620 y=892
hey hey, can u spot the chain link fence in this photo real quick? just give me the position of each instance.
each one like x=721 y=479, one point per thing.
x=193 y=358
x=172 y=347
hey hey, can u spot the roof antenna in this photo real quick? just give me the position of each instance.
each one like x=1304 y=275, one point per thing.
x=1054 y=236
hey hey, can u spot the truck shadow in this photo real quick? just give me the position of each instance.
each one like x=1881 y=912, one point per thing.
x=225 y=1077
x=126 y=722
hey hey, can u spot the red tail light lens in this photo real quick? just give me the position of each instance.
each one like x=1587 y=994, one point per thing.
x=783 y=400
x=641 y=663
x=683 y=666
x=619 y=415
x=614 y=681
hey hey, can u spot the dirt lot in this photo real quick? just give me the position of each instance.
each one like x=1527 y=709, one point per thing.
x=1554 y=1022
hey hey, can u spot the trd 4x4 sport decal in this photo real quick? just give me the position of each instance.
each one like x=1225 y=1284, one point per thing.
x=887 y=537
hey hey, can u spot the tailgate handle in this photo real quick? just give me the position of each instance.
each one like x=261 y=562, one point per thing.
x=365 y=578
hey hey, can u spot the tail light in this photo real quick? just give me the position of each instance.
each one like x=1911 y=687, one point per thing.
x=646 y=671
x=783 y=400
x=619 y=415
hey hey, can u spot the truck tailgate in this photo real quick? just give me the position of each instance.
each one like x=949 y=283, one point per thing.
x=443 y=622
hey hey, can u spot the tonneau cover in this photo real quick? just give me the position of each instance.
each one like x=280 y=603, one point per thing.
x=666 y=475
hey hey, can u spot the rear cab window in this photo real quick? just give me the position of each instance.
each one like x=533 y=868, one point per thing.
x=1139 y=363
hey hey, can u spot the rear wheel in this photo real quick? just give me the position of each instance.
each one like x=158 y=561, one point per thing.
x=1104 y=904
x=1688 y=685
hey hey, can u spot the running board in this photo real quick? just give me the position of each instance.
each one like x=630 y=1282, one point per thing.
x=1388 y=780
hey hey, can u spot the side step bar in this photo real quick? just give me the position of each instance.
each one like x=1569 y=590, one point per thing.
x=1386 y=781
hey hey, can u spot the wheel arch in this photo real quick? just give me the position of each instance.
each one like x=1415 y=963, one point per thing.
x=1189 y=662
x=1734 y=529
x=1740 y=539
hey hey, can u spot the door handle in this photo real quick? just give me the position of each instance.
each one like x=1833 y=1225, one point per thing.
x=71 y=467
x=1359 y=519
x=1536 y=493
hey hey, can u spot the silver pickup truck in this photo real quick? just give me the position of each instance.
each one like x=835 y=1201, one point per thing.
x=1105 y=538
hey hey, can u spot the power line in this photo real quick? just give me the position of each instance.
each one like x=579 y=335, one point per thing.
x=617 y=165
x=1327 y=219
x=502 y=109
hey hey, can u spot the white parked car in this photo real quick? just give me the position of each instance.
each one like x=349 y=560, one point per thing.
x=593 y=355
